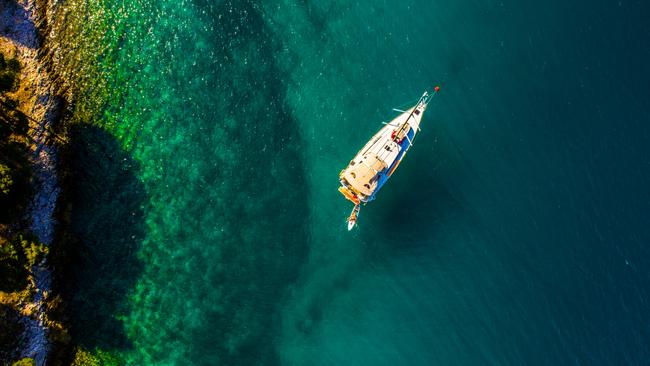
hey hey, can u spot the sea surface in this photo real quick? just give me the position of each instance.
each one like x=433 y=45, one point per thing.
x=208 y=136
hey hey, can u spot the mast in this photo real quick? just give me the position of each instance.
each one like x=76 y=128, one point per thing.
x=424 y=99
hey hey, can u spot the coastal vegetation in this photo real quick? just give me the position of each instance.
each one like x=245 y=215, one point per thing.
x=14 y=165
x=19 y=250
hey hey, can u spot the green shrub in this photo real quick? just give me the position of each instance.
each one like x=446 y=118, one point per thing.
x=17 y=257
x=12 y=269
x=25 y=362
x=6 y=181
x=8 y=252
x=24 y=249
x=85 y=358
x=33 y=251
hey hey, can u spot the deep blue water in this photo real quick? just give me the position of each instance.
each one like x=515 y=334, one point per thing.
x=515 y=232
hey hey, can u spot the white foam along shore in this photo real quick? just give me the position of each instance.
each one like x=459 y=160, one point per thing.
x=20 y=35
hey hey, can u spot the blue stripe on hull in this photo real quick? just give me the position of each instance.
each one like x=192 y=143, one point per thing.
x=383 y=176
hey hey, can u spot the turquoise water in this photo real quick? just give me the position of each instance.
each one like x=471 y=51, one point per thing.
x=209 y=226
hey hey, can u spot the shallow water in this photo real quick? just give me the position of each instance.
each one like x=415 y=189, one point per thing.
x=210 y=225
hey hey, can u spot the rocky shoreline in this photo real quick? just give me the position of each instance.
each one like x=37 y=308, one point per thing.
x=36 y=98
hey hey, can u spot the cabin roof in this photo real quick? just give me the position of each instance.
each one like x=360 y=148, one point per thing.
x=363 y=175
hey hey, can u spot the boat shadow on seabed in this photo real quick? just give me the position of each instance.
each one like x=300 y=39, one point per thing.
x=415 y=204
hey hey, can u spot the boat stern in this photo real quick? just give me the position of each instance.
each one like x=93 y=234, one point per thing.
x=349 y=195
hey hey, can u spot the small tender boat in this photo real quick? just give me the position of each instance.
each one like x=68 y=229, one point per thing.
x=376 y=162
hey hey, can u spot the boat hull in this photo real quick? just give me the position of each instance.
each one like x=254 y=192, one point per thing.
x=374 y=164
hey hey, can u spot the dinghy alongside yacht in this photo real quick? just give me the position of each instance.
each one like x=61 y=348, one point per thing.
x=377 y=160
